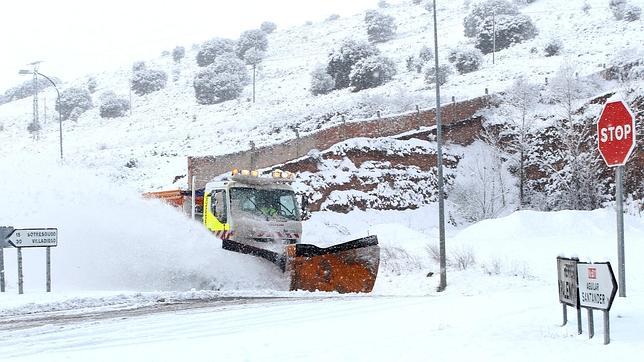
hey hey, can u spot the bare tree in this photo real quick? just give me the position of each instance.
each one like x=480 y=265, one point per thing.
x=575 y=173
x=522 y=96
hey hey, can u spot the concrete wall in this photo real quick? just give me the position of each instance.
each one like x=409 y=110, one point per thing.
x=205 y=168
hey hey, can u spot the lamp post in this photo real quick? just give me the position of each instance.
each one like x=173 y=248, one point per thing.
x=60 y=117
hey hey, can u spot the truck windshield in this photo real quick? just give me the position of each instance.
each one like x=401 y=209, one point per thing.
x=270 y=203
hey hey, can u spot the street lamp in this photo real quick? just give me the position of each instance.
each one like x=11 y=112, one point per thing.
x=60 y=117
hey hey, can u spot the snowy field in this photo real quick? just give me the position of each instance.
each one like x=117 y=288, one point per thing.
x=134 y=280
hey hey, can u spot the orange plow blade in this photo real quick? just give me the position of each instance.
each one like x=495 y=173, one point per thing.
x=349 y=267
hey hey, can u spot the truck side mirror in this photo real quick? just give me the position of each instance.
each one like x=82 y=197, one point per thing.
x=305 y=204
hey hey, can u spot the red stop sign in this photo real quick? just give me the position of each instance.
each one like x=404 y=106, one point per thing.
x=616 y=133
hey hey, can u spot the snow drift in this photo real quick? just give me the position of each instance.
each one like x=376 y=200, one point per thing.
x=111 y=238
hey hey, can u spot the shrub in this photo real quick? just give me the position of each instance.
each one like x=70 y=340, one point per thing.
x=380 y=27
x=213 y=48
x=178 y=53
x=465 y=59
x=34 y=127
x=221 y=81
x=333 y=17
x=146 y=81
x=268 y=27
x=553 y=47
x=509 y=30
x=383 y=4
x=113 y=106
x=371 y=72
x=73 y=102
x=444 y=71
x=416 y=2
x=342 y=59
x=251 y=39
x=473 y=22
x=632 y=12
x=321 y=81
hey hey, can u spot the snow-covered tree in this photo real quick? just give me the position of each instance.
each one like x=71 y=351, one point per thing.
x=268 y=27
x=76 y=100
x=321 y=81
x=371 y=72
x=510 y=29
x=34 y=128
x=383 y=4
x=146 y=81
x=466 y=59
x=553 y=47
x=113 y=106
x=632 y=12
x=343 y=58
x=221 y=81
x=444 y=71
x=480 y=186
x=213 y=48
x=136 y=66
x=575 y=168
x=417 y=63
x=521 y=98
x=91 y=84
x=178 y=53
x=586 y=7
x=251 y=39
x=380 y=27
x=253 y=57
x=481 y=11
x=617 y=7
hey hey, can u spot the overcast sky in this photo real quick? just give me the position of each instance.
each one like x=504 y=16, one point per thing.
x=77 y=37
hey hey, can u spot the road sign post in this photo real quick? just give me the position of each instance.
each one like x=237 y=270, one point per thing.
x=31 y=238
x=4 y=232
x=616 y=141
x=597 y=289
x=568 y=291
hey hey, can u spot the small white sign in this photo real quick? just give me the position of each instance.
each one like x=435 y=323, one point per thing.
x=30 y=238
x=597 y=285
x=567 y=275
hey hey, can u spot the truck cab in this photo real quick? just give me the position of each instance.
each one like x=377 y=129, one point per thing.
x=253 y=210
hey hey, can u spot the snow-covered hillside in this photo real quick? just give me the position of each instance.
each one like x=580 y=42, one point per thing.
x=168 y=125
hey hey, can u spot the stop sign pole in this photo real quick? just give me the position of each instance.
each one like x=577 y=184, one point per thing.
x=616 y=142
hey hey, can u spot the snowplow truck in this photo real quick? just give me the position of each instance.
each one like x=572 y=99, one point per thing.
x=260 y=216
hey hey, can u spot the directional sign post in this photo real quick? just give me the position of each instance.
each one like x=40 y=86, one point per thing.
x=568 y=292
x=616 y=141
x=33 y=238
x=4 y=232
x=597 y=289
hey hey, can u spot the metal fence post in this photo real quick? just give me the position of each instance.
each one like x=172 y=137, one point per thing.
x=48 y=257
x=20 y=281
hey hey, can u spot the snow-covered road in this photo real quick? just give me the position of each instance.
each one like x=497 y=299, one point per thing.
x=509 y=325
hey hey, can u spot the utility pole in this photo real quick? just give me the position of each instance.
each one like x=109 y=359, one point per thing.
x=35 y=89
x=493 y=34
x=254 y=66
x=439 y=160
